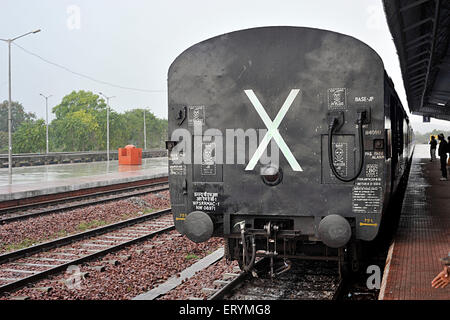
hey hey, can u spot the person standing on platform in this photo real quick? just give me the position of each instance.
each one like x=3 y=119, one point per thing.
x=433 y=145
x=443 y=149
x=448 y=146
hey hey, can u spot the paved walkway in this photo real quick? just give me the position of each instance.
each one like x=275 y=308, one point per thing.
x=423 y=236
x=43 y=180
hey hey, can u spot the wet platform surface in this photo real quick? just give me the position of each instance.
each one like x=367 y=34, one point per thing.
x=422 y=237
x=41 y=180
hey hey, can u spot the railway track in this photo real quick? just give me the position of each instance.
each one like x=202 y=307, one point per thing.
x=29 y=210
x=28 y=265
x=305 y=280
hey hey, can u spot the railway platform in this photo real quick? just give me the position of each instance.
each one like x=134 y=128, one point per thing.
x=29 y=182
x=422 y=237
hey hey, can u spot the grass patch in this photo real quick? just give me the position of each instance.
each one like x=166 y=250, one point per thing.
x=60 y=234
x=83 y=226
x=127 y=216
x=21 y=245
x=191 y=256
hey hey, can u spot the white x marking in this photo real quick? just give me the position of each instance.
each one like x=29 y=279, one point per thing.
x=273 y=130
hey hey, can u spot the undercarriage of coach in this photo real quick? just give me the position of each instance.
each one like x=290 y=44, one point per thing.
x=279 y=242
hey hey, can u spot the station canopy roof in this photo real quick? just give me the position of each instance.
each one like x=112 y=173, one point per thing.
x=420 y=29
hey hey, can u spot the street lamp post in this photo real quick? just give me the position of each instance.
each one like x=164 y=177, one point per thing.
x=145 y=134
x=107 y=123
x=46 y=119
x=9 y=41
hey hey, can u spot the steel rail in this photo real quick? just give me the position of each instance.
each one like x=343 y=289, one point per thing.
x=228 y=288
x=338 y=292
x=43 y=274
x=70 y=206
x=11 y=256
x=92 y=194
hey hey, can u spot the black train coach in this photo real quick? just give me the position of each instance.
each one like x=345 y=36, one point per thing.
x=288 y=142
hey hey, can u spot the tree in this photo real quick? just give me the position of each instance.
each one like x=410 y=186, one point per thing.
x=76 y=131
x=133 y=119
x=81 y=100
x=3 y=142
x=78 y=124
x=18 y=115
x=156 y=128
x=117 y=129
x=30 y=137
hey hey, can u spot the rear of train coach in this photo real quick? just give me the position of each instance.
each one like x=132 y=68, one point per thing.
x=250 y=116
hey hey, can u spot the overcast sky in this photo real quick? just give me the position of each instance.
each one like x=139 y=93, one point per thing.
x=132 y=43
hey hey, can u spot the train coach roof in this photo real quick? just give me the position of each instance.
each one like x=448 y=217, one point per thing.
x=420 y=29
x=280 y=28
